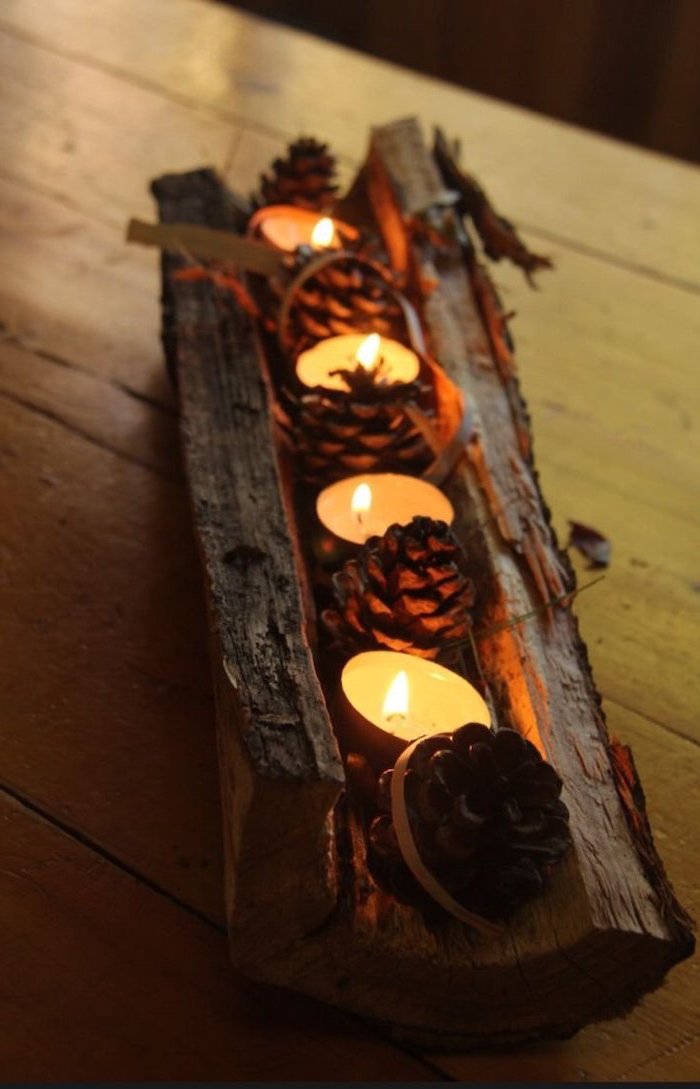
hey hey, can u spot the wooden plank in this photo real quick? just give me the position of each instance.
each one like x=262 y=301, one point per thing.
x=104 y=980
x=87 y=405
x=73 y=289
x=637 y=207
x=616 y=404
x=658 y=1040
x=61 y=122
x=108 y=718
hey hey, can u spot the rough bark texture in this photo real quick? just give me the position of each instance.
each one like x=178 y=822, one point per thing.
x=303 y=911
x=280 y=768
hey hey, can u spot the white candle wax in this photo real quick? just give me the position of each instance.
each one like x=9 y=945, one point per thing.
x=393 y=498
x=285 y=227
x=428 y=699
x=316 y=365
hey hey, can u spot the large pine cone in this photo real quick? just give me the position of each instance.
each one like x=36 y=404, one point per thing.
x=486 y=818
x=405 y=591
x=345 y=297
x=306 y=177
x=339 y=434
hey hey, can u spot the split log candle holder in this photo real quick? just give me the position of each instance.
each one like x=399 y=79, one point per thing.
x=303 y=909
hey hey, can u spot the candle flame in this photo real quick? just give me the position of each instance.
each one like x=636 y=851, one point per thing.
x=323 y=232
x=396 y=699
x=368 y=352
x=361 y=499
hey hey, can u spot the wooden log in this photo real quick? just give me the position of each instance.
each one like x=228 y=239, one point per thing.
x=303 y=911
x=280 y=768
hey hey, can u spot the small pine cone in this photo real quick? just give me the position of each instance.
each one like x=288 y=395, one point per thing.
x=345 y=297
x=405 y=591
x=304 y=177
x=486 y=817
x=365 y=430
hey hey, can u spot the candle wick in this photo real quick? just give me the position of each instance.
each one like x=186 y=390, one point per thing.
x=360 y=515
x=361 y=523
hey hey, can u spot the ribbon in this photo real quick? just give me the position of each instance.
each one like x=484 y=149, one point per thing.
x=205 y=242
x=409 y=851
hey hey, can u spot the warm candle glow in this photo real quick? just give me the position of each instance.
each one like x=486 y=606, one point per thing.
x=396 y=700
x=286 y=226
x=368 y=352
x=354 y=511
x=361 y=500
x=324 y=363
x=322 y=234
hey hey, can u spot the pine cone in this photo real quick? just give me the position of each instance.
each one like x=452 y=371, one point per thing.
x=338 y=434
x=486 y=818
x=305 y=177
x=345 y=297
x=405 y=591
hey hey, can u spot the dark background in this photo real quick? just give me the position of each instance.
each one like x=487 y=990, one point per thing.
x=629 y=68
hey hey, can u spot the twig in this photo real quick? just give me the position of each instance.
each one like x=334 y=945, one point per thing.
x=499 y=236
x=567 y=597
x=477 y=659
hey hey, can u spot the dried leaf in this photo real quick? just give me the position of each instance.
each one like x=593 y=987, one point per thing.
x=590 y=543
x=499 y=236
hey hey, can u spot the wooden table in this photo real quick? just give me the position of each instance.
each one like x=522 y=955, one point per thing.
x=114 y=962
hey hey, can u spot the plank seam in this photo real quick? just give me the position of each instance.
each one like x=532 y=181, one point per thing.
x=15 y=341
x=627 y=265
x=685 y=1042
x=90 y=844
x=651 y=721
x=172 y=478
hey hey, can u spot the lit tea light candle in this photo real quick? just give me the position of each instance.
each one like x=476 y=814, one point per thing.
x=409 y=697
x=318 y=366
x=359 y=507
x=286 y=227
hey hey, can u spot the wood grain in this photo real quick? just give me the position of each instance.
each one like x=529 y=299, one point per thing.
x=62 y=121
x=70 y=291
x=131 y=747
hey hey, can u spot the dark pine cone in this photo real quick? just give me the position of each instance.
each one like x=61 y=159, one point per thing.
x=486 y=817
x=345 y=297
x=306 y=177
x=367 y=429
x=405 y=591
